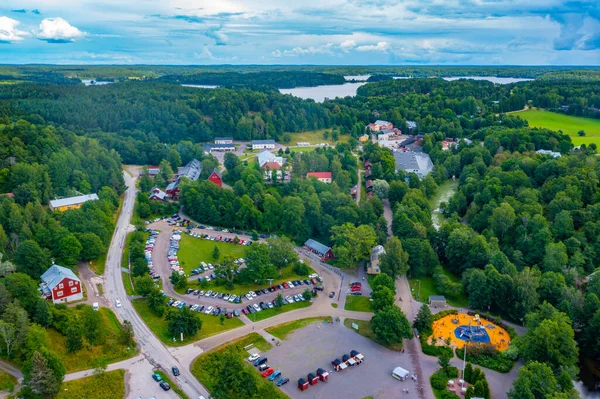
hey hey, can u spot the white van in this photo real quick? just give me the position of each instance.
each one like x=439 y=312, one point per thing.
x=95 y=306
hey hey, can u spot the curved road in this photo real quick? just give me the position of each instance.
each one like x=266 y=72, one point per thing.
x=150 y=346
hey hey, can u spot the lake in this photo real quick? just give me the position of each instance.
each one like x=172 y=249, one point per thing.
x=493 y=79
x=362 y=78
x=96 y=82
x=202 y=86
x=318 y=93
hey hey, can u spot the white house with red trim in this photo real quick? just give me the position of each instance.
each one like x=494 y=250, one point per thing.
x=61 y=285
x=324 y=177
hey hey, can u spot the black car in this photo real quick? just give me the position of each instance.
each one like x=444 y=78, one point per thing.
x=200 y=308
x=271 y=289
x=307 y=282
x=216 y=311
x=258 y=292
x=265 y=291
x=175 y=371
x=164 y=385
x=238 y=300
x=263 y=306
x=280 y=286
x=189 y=290
x=331 y=294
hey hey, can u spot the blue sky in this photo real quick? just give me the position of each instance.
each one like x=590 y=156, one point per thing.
x=357 y=32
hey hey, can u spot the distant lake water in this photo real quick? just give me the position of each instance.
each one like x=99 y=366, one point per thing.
x=357 y=77
x=318 y=93
x=493 y=79
x=96 y=83
x=202 y=86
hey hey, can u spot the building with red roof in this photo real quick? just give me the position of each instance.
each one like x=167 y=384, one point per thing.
x=324 y=177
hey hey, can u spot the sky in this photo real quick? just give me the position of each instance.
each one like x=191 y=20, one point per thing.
x=329 y=32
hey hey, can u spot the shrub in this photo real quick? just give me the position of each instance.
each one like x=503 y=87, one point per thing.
x=449 y=395
x=438 y=381
x=512 y=353
x=301 y=269
x=433 y=350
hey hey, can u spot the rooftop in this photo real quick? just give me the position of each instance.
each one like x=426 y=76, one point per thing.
x=55 y=274
x=263 y=142
x=416 y=162
x=317 y=246
x=80 y=199
x=319 y=175
x=192 y=170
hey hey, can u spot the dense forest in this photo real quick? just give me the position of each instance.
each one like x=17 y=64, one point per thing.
x=281 y=80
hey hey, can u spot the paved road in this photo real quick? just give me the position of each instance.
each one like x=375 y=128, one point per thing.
x=150 y=346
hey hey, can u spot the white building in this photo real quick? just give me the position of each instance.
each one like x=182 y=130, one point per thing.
x=414 y=162
x=268 y=157
x=223 y=140
x=64 y=204
x=263 y=144
x=553 y=154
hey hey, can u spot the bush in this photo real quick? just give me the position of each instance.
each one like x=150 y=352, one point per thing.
x=301 y=269
x=438 y=380
x=449 y=395
x=487 y=356
x=512 y=353
x=451 y=372
x=433 y=350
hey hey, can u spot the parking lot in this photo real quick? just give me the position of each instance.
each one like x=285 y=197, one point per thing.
x=317 y=345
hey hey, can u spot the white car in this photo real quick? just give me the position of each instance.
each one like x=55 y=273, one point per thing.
x=253 y=294
x=232 y=298
x=249 y=297
x=253 y=357
x=208 y=293
x=290 y=284
x=210 y=266
x=118 y=303
x=176 y=303
x=207 y=279
x=256 y=307
x=194 y=307
x=290 y=299
x=208 y=310
x=226 y=297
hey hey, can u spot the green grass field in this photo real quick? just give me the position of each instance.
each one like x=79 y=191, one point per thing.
x=568 y=124
x=265 y=314
x=112 y=351
x=206 y=366
x=281 y=331
x=316 y=137
x=211 y=325
x=428 y=288
x=358 y=303
x=364 y=329
x=194 y=250
x=108 y=385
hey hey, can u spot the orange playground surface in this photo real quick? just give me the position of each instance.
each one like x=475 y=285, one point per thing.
x=446 y=329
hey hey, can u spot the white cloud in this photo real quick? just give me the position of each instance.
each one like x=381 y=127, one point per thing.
x=9 y=32
x=215 y=33
x=276 y=53
x=57 y=30
x=380 y=46
x=205 y=54
x=347 y=45
x=298 y=51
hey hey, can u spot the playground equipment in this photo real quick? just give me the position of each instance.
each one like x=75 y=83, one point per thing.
x=473 y=333
x=459 y=329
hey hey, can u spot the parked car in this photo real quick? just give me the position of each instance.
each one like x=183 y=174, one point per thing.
x=260 y=361
x=245 y=311
x=236 y=313
x=331 y=294
x=267 y=372
x=164 y=385
x=256 y=307
x=200 y=308
x=157 y=377
x=283 y=381
x=208 y=310
x=275 y=375
x=175 y=371
x=253 y=357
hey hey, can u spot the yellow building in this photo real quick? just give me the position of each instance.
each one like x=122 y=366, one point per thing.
x=65 y=204
x=364 y=138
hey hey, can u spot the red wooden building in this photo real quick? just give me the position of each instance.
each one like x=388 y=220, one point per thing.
x=61 y=285
x=216 y=178
x=302 y=384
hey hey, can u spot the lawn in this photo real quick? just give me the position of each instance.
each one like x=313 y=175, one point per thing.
x=7 y=382
x=194 y=250
x=364 y=329
x=112 y=351
x=127 y=282
x=358 y=303
x=568 y=124
x=287 y=274
x=316 y=137
x=211 y=325
x=166 y=377
x=428 y=288
x=281 y=331
x=108 y=385
x=206 y=366
x=265 y=314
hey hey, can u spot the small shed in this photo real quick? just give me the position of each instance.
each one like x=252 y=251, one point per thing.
x=351 y=362
x=346 y=357
x=437 y=301
x=302 y=384
x=358 y=357
x=400 y=374
x=336 y=364
x=323 y=375
x=312 y=379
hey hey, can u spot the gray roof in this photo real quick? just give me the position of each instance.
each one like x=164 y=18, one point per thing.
x=80 y=199
x=172 y=185
x=380 y=122
x=437 y=298
x=55 y=274
x=192 y=170
x=209 y=147
x=376 y=252
x=157 y=192
x=317 y=246
x=413 y=162
x=263 y=142
x=268 y=156
x=223 y=138
x=411 y=124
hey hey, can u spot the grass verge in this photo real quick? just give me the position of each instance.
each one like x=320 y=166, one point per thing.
x=364 y=329
x=194 y=250
x=281 y=331
x=334 y=305
x=265 y=314
x=428 y=288
x=107 y=385
x=211 y=325
x=7 y=382
x=175 y=387
x=358 y=303
x=317 y=137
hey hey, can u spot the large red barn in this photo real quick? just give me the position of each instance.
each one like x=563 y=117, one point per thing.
x=61 y=285
x=216 y=178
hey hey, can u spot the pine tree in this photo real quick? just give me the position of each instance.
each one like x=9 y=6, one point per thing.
x=468 y=372
x=424 y=320
x=39 y=379
x=216 y=253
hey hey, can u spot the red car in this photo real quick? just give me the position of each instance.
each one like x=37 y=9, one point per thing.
x=275 y=288
x=285 y=286
x=355 y=288
x=244 y=311
x=268 y=372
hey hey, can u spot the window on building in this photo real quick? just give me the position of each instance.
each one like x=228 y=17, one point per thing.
x=71 y=283
x=60 y=285
x=74 y=289
x=59 y=293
